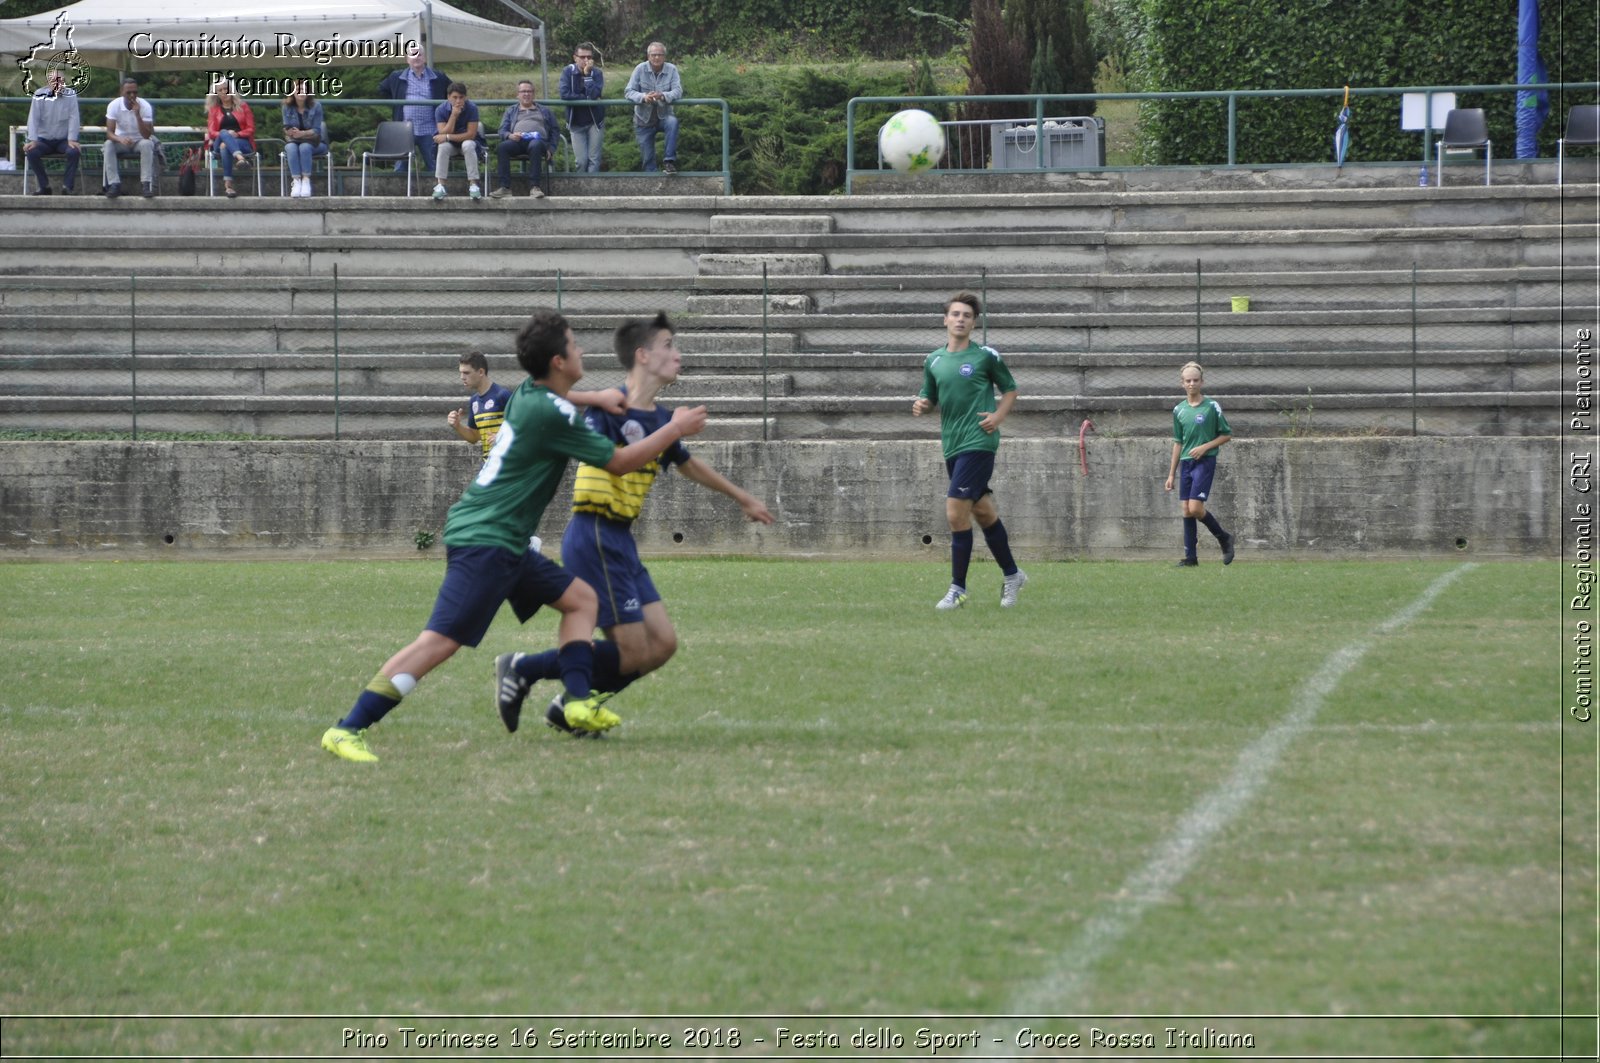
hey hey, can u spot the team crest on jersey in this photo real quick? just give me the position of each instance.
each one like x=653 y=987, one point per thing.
x=632 y=430
x=488 y=404
x=966 y=368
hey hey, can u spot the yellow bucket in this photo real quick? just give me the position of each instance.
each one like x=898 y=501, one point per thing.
x=1241 y=304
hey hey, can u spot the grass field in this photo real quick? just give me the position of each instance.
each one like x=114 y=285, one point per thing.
x=1319 y=790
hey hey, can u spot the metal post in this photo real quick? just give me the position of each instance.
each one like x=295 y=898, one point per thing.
x=1413 y=348
x=336 y=350
x=766 y=299
x=133 y=349
x=1199 y=286
x=983 y=287
x=1233 y=128
x=558 y=291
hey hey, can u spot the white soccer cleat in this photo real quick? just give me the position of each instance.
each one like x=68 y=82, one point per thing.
x=954 y=598
x=1012 y=587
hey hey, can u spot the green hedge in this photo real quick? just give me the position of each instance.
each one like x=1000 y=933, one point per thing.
x=1201 y=45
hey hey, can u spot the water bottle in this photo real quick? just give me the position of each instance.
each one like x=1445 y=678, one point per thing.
x=1422 y=178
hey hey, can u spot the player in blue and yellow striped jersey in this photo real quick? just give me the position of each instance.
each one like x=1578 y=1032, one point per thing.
x=1198 y=431
x=961 y=378
x=485 y=411
x=486 y=534
x=598 y=545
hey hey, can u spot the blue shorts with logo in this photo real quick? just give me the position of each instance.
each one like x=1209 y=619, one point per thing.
x=1195 y=476
x=969 y=474
x=604 y=555
x=478 y=578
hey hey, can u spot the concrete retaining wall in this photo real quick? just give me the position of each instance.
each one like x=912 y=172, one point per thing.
x=1378 y=497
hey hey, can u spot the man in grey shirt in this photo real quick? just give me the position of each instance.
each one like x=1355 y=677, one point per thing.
x=653 y=88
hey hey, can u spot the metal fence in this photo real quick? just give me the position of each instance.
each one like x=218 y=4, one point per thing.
x=376 y=357
x=971 y=147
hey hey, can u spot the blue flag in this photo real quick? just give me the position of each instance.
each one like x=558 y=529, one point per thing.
x=1533 y=107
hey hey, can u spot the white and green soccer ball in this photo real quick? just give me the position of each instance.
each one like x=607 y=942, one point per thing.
x=911 y=141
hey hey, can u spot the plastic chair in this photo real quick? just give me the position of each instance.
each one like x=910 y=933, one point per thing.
x=1465 y=129
x=1583 y=130
x=393 y=144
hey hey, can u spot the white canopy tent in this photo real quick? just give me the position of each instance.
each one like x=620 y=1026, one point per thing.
x=262 y=34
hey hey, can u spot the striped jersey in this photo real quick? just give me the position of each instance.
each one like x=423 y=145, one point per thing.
x=620 y=498
x=487 y=412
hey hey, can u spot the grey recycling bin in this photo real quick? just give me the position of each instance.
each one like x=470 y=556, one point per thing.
x=1067 y=144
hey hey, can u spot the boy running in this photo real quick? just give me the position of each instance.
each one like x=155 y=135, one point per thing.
x=486 y=538
x=961 y=378
x=1198 y=432
x=599 y=547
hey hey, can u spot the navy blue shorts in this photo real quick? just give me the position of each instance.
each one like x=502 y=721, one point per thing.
x=1194 y=477
x=478 y=578
x=969 y=474
x=604 y=555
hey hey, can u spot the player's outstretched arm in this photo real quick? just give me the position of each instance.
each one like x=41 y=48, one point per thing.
x=686 y=421
x=611 y=400
x=704 y=475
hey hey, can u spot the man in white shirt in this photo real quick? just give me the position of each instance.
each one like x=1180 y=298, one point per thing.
x=130 y=126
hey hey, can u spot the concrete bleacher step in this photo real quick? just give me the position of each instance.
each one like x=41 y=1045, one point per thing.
x=1099 y=309
x=768 y=224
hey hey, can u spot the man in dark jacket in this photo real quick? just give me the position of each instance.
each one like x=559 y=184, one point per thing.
x=418 y=81
x=528 y=131
x=581 y=80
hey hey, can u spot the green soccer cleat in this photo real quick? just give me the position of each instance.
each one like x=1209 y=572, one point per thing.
x=348 y=745
x=954 y=598
x=510 y=688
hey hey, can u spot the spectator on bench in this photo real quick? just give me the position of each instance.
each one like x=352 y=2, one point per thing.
x=230 y=131
x=528 y=131
x=305 y=136
x=130 y=127
x=54 y=126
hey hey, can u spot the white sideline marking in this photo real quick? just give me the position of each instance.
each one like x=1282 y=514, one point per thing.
x=1059 y=991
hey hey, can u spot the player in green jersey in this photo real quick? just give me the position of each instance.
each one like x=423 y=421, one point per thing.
x=961 y=378
x=486 y=538
x=1198 y=431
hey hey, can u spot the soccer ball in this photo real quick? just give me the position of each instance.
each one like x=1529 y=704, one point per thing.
x=911 y=141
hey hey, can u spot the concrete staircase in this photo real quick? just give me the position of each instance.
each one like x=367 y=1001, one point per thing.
x=227 y=315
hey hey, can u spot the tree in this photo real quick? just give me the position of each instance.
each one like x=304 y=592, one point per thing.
x=1062 y=58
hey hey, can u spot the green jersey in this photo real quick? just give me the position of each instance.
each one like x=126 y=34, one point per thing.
x=1194 y=425
x=503 y=505
x=963 y=385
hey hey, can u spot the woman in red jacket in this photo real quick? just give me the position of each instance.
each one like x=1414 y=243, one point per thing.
x=230 y=131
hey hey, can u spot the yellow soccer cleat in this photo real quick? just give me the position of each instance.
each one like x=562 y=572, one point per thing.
x=590 y=714
x=348 y=745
